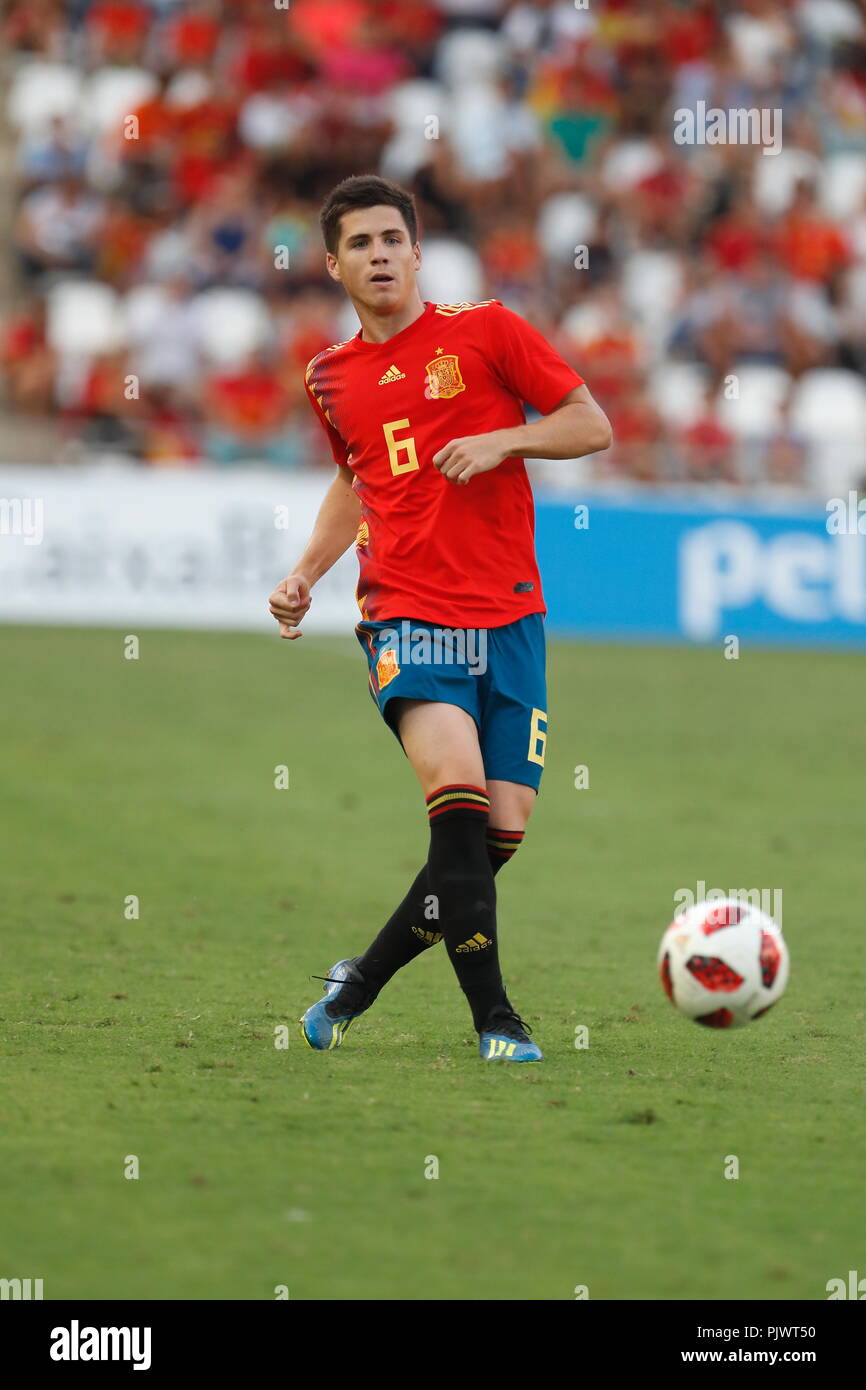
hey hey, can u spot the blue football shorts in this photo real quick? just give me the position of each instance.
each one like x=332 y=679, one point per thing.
x=496 y=674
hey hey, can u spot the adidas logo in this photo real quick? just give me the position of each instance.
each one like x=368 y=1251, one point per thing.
x=475 y=943
x=393 y=374
x=431 y=937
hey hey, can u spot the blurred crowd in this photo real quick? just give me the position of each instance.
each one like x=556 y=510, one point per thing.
x=171 y=158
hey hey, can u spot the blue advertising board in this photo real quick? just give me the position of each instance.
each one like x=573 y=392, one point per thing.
x=656 y=569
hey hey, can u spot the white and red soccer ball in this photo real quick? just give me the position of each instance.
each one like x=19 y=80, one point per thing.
x=723 y=963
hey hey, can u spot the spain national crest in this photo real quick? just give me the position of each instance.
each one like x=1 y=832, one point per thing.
x=443 y=378
x=386 y=667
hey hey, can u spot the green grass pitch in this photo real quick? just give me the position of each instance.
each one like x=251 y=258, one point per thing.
x=262 y=1167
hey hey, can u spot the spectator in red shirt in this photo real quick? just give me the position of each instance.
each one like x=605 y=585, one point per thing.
x=708 y=448
x=28 y=362
x=248 y=412
x=738 y=239
x=116 y=30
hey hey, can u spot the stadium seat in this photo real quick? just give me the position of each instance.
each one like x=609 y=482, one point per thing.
x=830 y=401
x=188 y=88
x=232 y=323
x=40 y=92
x=84 y=318
x=777 y=176
x=410 y=103
x=755 y=412
x=829 y=409
x=627 y=162
x=677 y=390
x=831 y=21
x=410 y=106
x=842 y=186
x=467 y=57
x=451 y=272
x=651 y=285
x=477 y=132
x=141 y=309
x=566 y=220
x=113 y=93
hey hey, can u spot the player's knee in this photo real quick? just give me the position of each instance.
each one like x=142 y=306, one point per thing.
x=511 y=804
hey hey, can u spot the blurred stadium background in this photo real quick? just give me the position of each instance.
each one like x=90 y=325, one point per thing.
x=526 y=130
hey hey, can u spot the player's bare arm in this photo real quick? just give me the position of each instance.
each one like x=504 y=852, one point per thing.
x=578 y=426
x=335 y=529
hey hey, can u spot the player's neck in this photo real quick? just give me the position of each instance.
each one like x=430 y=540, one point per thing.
x=378 y=328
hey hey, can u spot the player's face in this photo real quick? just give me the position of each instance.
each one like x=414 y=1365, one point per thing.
x=376 y=260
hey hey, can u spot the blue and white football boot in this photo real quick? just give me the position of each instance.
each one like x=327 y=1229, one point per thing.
x=346 y=996
x=505 y=1038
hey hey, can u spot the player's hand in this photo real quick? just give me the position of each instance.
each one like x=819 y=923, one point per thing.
x=288 y=604
x=461 y=459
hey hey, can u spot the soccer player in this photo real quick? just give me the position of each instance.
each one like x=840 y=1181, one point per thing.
x=423 y=411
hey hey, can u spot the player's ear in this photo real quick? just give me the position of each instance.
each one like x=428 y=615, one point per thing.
x=332 y=266
x=416 y=255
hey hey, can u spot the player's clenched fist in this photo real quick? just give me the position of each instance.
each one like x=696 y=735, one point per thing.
x=461 y=459
x=288 y=604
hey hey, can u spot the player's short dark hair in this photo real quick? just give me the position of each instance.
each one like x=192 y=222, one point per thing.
x=365 y=191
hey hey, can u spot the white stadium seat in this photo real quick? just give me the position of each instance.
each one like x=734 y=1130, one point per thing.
x=188 y=88
x=565 y=221
x=410 y=103
x=843 y=185
x=829 y=401
x=84 y=318
x=450 y=272
x=777 y=176
x=755 y=412
x=466 y=57
x=829 y=408
x=629 y=161
x=232 y=323
x=677 y=390
x=142 y=308
x=39 y=92
x=112 y=94
x=652 y=285
x=831 y=20
x=411 y=106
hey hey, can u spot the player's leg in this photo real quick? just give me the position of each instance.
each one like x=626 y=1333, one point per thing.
x=397 y=682
x=512 y=734
x=441 y=742
x=412 y=928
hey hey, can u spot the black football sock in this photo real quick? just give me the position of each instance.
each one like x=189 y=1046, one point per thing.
x=412 y=927
x=461 y=880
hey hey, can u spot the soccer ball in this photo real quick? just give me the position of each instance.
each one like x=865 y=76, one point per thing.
x=723 y=963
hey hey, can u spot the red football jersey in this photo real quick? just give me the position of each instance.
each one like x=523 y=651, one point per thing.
x=441 y=552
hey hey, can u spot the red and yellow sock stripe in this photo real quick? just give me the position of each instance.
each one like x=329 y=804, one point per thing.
x=457 y=798
x=503 y=844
